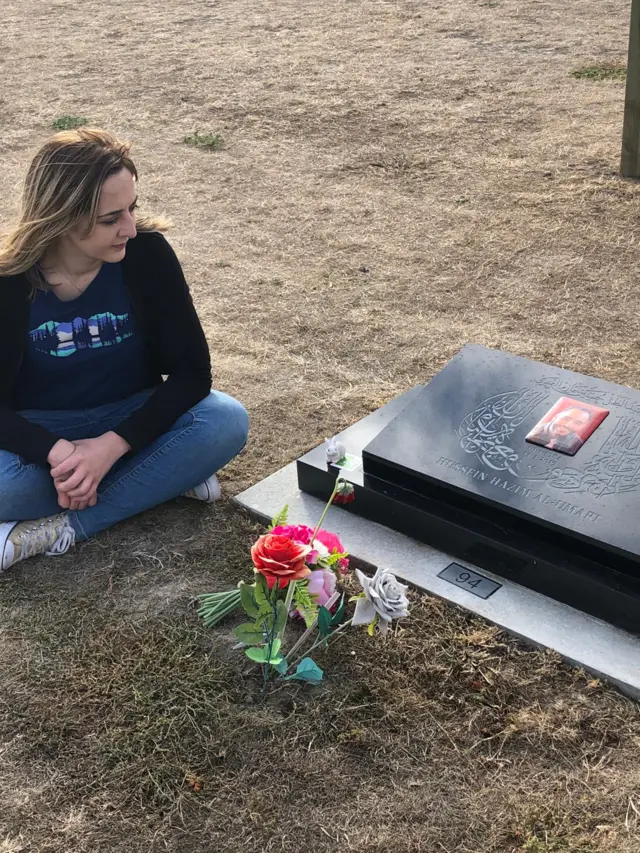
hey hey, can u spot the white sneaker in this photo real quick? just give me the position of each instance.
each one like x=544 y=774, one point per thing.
x=209 y=491
x=22 y=539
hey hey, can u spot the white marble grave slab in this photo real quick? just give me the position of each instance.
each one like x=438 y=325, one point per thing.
x=582 y=640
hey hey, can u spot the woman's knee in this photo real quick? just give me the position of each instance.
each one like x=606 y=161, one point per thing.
x=10 y=467
x=10 y=464
x=22 y=486
x=224 y=419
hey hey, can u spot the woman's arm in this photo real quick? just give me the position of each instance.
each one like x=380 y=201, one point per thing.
x=175 y=336
x=20 y=436
x=17 y=435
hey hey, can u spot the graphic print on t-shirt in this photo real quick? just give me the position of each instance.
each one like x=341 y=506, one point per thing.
x=86 y=352
x=64 y=339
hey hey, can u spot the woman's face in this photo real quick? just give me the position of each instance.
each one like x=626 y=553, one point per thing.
x=115 y=224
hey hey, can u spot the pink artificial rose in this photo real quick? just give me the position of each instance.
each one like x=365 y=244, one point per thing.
x=321 y=585
x=343 y=565
x=330 y=541
x=298 y=532
x=301 y=533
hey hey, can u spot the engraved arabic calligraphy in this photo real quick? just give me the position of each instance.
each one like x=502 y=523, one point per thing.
x=486 y=431
x=589 y=393
x=614 y=469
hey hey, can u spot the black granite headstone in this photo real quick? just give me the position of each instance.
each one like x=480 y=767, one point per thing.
x=455 y=469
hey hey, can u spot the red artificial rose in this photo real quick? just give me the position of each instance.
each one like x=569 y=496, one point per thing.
x=345 y=493
x=344 y=498
x=280 y=559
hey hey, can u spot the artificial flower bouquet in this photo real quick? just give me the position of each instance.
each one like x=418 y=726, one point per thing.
x=298 y=572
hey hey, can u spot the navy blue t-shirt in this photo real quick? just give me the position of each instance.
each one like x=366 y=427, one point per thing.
x=83 y=353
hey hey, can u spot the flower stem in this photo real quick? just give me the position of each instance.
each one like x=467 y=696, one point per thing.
x=272 y=635
x=212 y=613
x=323 y=640
x=287 y=603
x=326 y=509
x=213 y=596
x=309 y=631
x=214 y=608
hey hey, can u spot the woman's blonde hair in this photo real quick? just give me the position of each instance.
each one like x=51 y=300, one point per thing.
x=61 y=189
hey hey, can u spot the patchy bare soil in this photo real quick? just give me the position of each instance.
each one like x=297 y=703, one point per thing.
x=396 y=179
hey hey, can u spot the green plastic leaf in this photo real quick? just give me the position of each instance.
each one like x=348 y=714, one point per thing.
x=308 y=671
x=324 y=622
x=281 y=617
x=275 y=648
x=257 y=655
x=261 y=590
x=281 y=518
x=247 y=633
x=333 y=558
x=265 y=610
x=371 y=628
x=248 y=599
x=337 y=616
x=260 y=655
x=304 y=604
x=282 y=666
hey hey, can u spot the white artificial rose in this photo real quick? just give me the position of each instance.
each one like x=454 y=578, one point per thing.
x=318 y=552
x=384 y=596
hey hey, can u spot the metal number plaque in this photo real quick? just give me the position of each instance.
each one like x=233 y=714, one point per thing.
x=471 y=581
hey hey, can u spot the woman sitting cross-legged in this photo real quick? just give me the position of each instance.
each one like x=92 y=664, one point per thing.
x=94 y=312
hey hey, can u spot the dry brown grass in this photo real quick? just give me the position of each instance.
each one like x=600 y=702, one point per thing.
x=446 y=149
x=451 y=737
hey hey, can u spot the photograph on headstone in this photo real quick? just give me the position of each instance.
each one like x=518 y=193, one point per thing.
x=567 y=425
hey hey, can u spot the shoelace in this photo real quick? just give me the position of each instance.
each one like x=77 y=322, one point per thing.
x=34 y=539
x=62 y=544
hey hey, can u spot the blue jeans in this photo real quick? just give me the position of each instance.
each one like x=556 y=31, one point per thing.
x=198 y=444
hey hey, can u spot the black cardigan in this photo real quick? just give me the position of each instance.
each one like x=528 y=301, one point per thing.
x=178 y=348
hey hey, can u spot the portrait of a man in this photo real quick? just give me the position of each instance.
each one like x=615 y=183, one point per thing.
x=567 y=425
